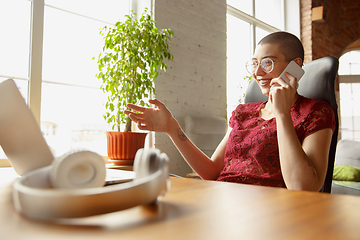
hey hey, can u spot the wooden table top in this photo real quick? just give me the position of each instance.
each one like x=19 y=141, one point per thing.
x=197 y=209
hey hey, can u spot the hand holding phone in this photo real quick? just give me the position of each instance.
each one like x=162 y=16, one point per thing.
x=294 y=70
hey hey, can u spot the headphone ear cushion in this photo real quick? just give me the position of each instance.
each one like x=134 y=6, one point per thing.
x=78 y=169
x=146 y=162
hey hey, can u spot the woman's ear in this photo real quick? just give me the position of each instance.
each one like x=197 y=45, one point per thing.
x=298 y=61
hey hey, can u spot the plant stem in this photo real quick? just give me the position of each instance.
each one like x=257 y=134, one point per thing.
x=118 y=117
x=128 y=125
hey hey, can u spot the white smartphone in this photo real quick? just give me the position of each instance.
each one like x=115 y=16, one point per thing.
x=293 y=69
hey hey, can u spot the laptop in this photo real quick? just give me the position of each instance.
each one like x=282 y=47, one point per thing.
x=115 y=176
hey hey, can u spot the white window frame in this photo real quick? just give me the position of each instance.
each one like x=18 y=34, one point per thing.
x=36 y=47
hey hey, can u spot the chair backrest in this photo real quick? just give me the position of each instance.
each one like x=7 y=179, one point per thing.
x=318 y=82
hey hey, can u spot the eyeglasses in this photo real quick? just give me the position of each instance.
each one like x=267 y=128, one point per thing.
x=267 y=65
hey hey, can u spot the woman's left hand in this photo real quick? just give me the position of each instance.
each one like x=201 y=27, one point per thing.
x=283 y=95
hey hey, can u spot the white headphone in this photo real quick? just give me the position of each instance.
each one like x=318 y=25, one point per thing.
x=51 y=189
x=34 y=197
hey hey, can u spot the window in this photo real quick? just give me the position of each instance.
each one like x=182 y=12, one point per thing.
x=239 y=50
x=248 y=21
x=14 y=47
x=15 y=41
x=271 y=12
x=349 y=88
x=71 y=101
x=350 y=111
x=349 y=63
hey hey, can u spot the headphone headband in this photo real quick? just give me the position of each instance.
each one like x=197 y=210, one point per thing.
x=32 y=197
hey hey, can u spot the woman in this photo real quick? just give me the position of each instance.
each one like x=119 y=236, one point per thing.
x=283 y=142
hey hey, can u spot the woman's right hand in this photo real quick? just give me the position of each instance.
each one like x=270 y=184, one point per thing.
x=152 y=119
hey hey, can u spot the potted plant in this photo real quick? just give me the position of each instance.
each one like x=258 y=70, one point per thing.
x=133 y=53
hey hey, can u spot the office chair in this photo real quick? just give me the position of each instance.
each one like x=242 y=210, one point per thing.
x=318 y=82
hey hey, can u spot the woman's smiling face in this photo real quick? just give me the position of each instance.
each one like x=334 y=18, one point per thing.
x=268 y=51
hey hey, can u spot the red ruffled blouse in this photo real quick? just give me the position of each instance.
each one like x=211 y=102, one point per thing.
x=252 y=155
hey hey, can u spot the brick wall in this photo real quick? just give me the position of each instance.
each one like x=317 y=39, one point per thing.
x=340 y=28
x=306 y=33
x=195 y=82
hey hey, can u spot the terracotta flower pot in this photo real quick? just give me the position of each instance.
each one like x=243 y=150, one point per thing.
x=122 y=146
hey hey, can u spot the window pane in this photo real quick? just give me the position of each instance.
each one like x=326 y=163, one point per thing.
x=69 y=46
x=238 y=53
x=350 y=110
x=269 y=11
x=345 y=100
x=71 y=117
x=243 y=5
x=70 y=43
x=260 y=34
x=349 y=63
x=139 y=6
x=72 y=102
x=15 y=38
x=14 y=44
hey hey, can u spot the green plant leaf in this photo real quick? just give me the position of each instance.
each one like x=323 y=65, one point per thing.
x=133 y=53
